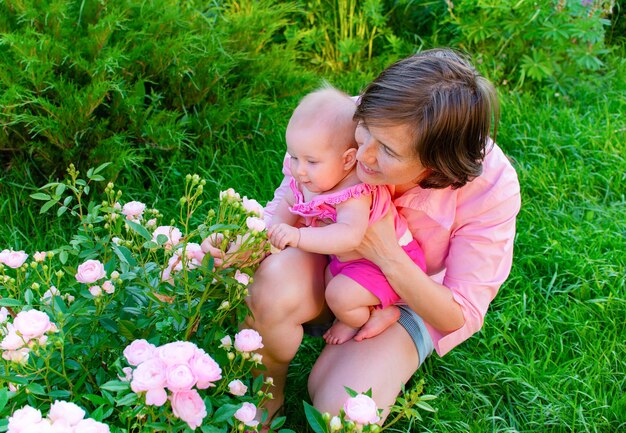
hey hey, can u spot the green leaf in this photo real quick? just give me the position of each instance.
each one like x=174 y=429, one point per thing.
x=46 y=207
x=127 y=400
x=139 y=229
x=15 y=379
x=101 y=167
x=63 y=257
x=315 y=419
x=351 y=392
x=286 y=430
x=115 y=386
x=60 y=189
x=35 y=388
x=278 y=422
x=127 y=329
x=8 y=302
x=4 y=398
x=40 y=196
x=124 y=254
x=109 y=324
x=61 y=210
x=225 y=412
x=59 y=393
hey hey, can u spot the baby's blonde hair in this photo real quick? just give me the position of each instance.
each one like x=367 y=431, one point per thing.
x=329 y=109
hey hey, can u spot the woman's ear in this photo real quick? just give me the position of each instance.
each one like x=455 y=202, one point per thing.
x=349 y=159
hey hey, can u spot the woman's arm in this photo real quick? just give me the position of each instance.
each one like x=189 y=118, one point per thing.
x=431 y=301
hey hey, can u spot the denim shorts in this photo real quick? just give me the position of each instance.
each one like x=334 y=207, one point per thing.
x=414 y=325
x=410 y=321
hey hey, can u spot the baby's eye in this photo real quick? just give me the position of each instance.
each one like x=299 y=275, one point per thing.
x=312 y=162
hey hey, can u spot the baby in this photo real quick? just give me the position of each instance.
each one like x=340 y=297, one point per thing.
x=328 y=209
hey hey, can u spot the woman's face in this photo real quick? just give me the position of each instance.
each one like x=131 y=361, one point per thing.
x=385 y=155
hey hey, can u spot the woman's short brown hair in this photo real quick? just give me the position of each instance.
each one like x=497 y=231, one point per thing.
x=451 y=105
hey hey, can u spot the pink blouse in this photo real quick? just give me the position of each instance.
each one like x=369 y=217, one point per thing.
x=467 y=236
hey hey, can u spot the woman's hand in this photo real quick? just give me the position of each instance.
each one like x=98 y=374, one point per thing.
x=380 y=240
x=227 y=255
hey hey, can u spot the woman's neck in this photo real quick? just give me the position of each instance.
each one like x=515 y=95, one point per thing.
x=398 y=190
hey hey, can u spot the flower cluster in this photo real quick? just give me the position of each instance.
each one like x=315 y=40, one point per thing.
x=63 y=417
x=28 y=330
x=177 y=367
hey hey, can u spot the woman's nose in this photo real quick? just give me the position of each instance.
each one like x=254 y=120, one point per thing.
x=365 y=152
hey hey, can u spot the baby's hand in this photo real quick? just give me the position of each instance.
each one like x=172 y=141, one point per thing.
x=283 y=235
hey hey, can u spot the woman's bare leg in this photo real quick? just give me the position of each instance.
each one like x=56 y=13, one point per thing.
x=287 y=291
x=382 y=363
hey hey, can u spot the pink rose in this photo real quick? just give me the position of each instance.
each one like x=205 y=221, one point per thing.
x=91 y=426
x=226 y=342
x=139 y=351
x=19 y=356
x=4 y=314
x=193 y=251
x=236 y=387
x=23 y=418
x=255 y=224
x=64 y=410
x=172 y=234
x=361 y=409
x=95 y=291
x=246 y=414
x=229 y=194
x=13 y=259
x=189 y=407
x=156 y=397
x=32 y=324
x=133 y=210
x=242 y=278
x=253 y=207
x=11 y=340
x=148 y=375
x=128 y=374
x=205 y=369
x=39 y=256
x=90 y=272
x=151 y=222
x=108 y=287
x=180 y=378
x=178 y=352
x=248 y=340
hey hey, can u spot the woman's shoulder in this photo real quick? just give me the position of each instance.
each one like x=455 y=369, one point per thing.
x=497 y=183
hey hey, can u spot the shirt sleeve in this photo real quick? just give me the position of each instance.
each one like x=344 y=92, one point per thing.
x=279 y=193
x=480 y=255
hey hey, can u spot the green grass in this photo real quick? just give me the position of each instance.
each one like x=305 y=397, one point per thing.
x=552 y=354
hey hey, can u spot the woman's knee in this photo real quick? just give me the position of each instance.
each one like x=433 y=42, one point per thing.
x=284 y=284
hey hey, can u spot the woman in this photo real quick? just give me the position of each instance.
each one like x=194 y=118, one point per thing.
x=423 y=128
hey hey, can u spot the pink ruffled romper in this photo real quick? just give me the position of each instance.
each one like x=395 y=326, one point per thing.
x=363 y=271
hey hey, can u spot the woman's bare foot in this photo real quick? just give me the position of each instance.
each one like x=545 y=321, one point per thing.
x=339 y=333
x=380 y=319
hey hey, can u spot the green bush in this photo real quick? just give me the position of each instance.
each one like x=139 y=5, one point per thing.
x=532 y=43
x=134 y=83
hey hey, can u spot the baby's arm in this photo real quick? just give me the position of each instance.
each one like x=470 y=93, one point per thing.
x=343 y=236
x=282 y=214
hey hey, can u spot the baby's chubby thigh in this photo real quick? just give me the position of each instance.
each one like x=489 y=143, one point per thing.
x=288 y=286
x=345 y=294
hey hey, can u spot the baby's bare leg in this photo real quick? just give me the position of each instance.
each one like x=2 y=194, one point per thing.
x=350 y=303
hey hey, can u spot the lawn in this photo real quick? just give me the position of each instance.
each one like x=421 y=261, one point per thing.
x=551 y=356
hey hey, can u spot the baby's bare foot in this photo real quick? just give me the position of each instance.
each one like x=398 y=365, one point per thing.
x=339 y=333
x=380 y=319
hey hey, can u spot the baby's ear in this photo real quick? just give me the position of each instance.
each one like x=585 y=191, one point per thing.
x=349 y=158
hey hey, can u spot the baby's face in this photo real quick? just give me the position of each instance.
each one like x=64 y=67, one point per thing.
x=316 y=162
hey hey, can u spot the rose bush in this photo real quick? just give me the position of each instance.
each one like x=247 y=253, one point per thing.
x=129 y=327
